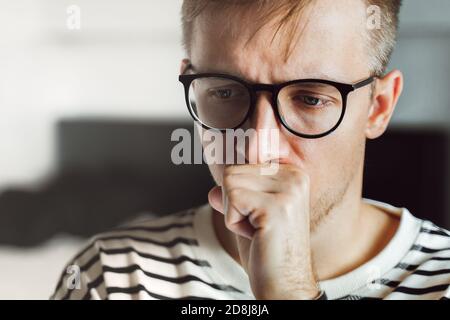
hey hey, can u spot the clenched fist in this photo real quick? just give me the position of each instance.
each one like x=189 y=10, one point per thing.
x=270 y=216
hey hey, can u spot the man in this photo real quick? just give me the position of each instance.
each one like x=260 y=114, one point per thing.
x=303 y=231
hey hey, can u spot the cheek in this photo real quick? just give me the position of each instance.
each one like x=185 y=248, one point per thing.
x=357 y=113
x=323 y=164
x=340 y=153
x=330 y=161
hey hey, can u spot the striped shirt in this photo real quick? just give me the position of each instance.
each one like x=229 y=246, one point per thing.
x=179 y=257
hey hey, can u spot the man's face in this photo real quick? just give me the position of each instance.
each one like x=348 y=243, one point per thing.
x=331 y=46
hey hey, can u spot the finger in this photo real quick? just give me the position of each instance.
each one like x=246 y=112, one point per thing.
x=215 y=199
x=253 y=182
x=282 y=172
x=219 y=201
x=257 y=169
x=241 y=204
x=243 y=168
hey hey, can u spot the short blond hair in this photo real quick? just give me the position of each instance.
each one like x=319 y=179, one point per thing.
x=381 y=41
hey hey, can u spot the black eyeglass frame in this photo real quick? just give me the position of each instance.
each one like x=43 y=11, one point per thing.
x=253 y=88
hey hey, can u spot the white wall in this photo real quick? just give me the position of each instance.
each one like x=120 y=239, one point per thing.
x=423 y=55
x=124 y=63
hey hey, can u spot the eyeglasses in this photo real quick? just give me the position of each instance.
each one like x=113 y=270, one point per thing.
x=308 y=108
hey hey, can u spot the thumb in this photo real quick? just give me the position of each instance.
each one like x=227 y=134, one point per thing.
x=215 y=199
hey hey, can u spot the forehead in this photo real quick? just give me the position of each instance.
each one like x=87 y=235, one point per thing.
x=327 y=41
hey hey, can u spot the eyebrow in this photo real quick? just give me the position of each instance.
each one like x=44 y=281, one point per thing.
x=238 y=74
x=318 y=75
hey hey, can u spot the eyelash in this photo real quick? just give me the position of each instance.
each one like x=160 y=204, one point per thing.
x=323 y=102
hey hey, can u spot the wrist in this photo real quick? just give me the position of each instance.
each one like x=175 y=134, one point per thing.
x=304 y=293
x=322 y=296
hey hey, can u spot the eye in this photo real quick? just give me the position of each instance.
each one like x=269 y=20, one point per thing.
x=308 y=100
x=313 y=101
x=221 y=93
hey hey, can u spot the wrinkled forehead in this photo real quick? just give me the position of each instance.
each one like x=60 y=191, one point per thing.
x=320 y=40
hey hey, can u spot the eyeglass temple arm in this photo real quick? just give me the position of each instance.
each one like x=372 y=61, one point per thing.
x=364 y=82
x=189 y=67
x=355 y=86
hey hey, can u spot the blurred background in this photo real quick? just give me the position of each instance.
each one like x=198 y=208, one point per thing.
x=86 y=116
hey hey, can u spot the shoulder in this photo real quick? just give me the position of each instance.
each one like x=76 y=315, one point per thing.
x=426 y=267
x=432 y=243
x=110 y=259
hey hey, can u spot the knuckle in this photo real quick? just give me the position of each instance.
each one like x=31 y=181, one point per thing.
x=286 y=208
x=234 y=195
x=227 y=181
x=228 y=223
x=297 y=174
x=299 y=178
x=228 y=170
x=285 y=205
x=259 y=219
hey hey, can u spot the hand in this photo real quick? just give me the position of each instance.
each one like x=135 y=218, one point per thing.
x=270 y=216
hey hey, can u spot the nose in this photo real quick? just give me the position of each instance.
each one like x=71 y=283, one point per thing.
x=267 y=143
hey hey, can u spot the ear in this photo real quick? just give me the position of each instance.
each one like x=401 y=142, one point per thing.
x=184 y=64
x=385 y=96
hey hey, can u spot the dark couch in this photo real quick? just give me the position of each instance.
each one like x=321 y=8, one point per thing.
x=109 y=170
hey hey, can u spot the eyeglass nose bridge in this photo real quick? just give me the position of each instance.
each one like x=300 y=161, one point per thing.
x=255 y=88
x=273 y=89
x=263 y=87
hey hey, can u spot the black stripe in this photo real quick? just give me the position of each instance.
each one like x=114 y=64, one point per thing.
x=67 y=295
x=408 y=267
x=371 y=298
x=432 y=273
x=59 y=284
x=138 y=288
x=91 y=285
x=155 y=228
x=90 y=263
x=357 y=297
x=427 y=250
x=412 y=267
x=415 y=291
x=441 y=258
x=177 y=260
x=388 y=282
x=420 y=291
x=349 y=297
x=85 y=267
x=168 y=244
x=99 y=280
x=438 y=232
x=179 y=280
